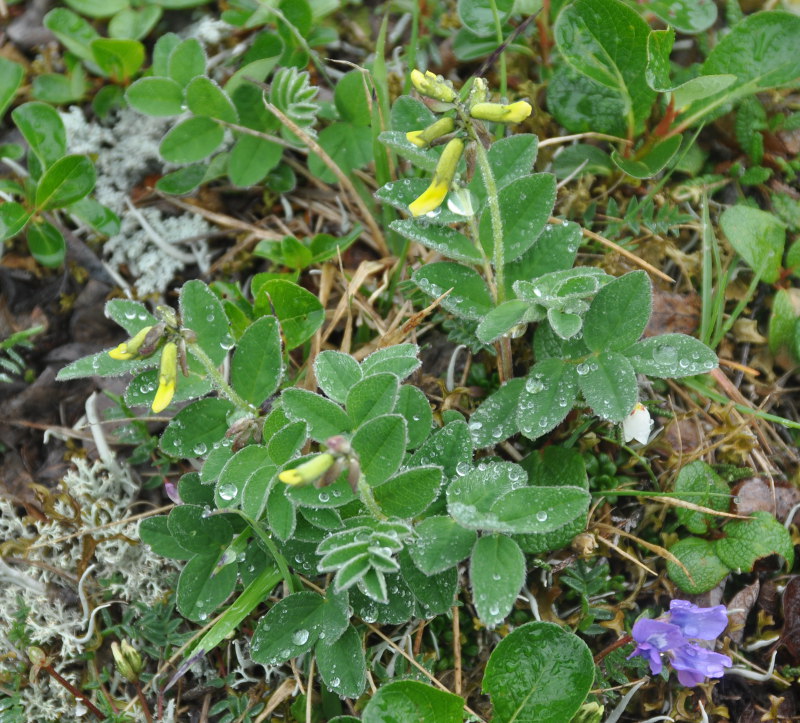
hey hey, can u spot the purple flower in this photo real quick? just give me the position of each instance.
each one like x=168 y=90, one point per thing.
x=672 y=635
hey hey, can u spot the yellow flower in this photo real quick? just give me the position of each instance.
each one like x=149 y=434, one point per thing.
x=308 y=471
x=434 y=195
x=167 y=377
x=440 y=128
x=514 y=113
x=130 y=349
x=432 y=85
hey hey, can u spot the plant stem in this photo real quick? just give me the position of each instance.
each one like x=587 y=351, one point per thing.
x=365 y=491
x=494 y=211
x=498 y=26
x=219 y=381
x=51 y=671
x=143 y=701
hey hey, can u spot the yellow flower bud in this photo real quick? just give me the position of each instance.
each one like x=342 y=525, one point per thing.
x=130 y=349
x=514 y=113
x=308 y=471
x=435 y=194
x=167 y=377
x=440 y=128
x=128 y=661
x=433 y=86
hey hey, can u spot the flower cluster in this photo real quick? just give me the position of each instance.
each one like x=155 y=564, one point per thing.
x=477 y=108
x=672 y=635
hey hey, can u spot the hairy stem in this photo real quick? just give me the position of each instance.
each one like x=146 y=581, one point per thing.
x=219 y=381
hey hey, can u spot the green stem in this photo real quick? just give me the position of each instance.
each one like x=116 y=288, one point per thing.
x=472 y=225
x=219 y=381
x=498 y=27
x=494 y=211
x=280 y=560
x=365 y=491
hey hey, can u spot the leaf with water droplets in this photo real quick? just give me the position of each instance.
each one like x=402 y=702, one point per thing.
x=619 y=313
x=448 y=447
x=408 y=701
x=671 y=356
x=758 y=237
x=496 y=419
x=196 y=428
x=469 y=297
x=496 y=573
x=608 y=384
x=548 y=396
x=202 y=586
x=440 y=544
x=257 y=365
x=374 y=395
x=539 y=672
x=202 y=312
x=410 y=492
x=342 y=664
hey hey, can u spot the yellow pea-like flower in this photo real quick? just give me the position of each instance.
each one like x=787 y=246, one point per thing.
x=308 y=471
x=434 y=195
x=130 y=349
x=425 y=137
x=167 y=377
x=433 y=86
x=513 y=113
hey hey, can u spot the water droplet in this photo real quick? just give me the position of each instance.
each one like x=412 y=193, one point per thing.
x=665 y=354
x=335 y=682
x=227 y=491
x=324 y=497
x=583 y=369
x=534 y=385
x=300 y=637
x=462 y=468
x=541 y=515
x=475 y=426
x=200 y=448
x=130 y=314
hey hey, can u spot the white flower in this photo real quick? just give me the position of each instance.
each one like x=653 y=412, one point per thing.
x=637 y=425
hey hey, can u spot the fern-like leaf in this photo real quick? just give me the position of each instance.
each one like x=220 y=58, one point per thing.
x=292 y=93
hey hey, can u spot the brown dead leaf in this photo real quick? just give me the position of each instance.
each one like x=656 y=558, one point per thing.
x=790 y=635
x=746 y=331
x=673 y=313
x=739 y=608
x=756 y=494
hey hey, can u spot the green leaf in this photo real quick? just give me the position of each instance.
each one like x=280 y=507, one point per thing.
x=782 y=322
x=407 y=701
x=374 y=395
x=97 y=8
x=580 y=104
x=479 y=15
x=700 y=559
x=162 y=49
x=234 y=475
x=298 y=310
x=608 y=384
x=205 y=98
x=348 y=146
x=700 y=87
x=324 y=418
x=441 y=543
x=757 y=236
x=120 y=59
x=353 y=98
x=251 y=159
x=134 y=24
x=413 y=405
x=409 y=493
x=538 y=510
x=46 y=244
x=399 y=359
x=539 y=672
x=548 y=396
x=496 y=573
x=281 y=513
x=449 y=447
x=203 y=587
x=183 y=180
x=496 y=418
x=258 y=70
x=401 y=193
x=156 y=96
x=13 y=218
x=410 y=114
x=510 y=159
x=197 y=532
x=336 y=374
x=659 y=47
x=43 y=129
x=747 y=541
x=706 y=489
x=154 y=531
x=380 y=445
x=619 y=313
x=342 y=664
x=653 y=162
x=142 y=388
x=671 y=356
x=469 y=297
x=293 y=625
x=436 y=594
x=191 y=140
x=101 y=218
x=443 y=239
x=196 y=428
x=471 y=496
x=687 y=16
x=257 y=365
x=74 y=33
x=202 y=312
x=186 y=61
x=423 y=158
x=525 y=207
x=11 y=75
x=286 y=442
x=590 y=159
x=607 y=41
x=759 y=51
x=68 y=180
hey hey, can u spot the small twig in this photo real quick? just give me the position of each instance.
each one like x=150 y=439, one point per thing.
x=577 y=136
x=457 y=650
x=310 y=687
x=53 y=673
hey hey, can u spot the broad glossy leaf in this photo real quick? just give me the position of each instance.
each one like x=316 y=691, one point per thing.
x=13 y=218
x=407 y=701
x=654 y=161
x=479 y=15
x=11 y=75
x=747 y=541
x=671 y=356
x=43 y=129
x=539 y=672
x=705 y=569
x=118 y=58
x=688 y=16
x=68 y=180
x=133 y=24
x=75 y=33
x=46 y=243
